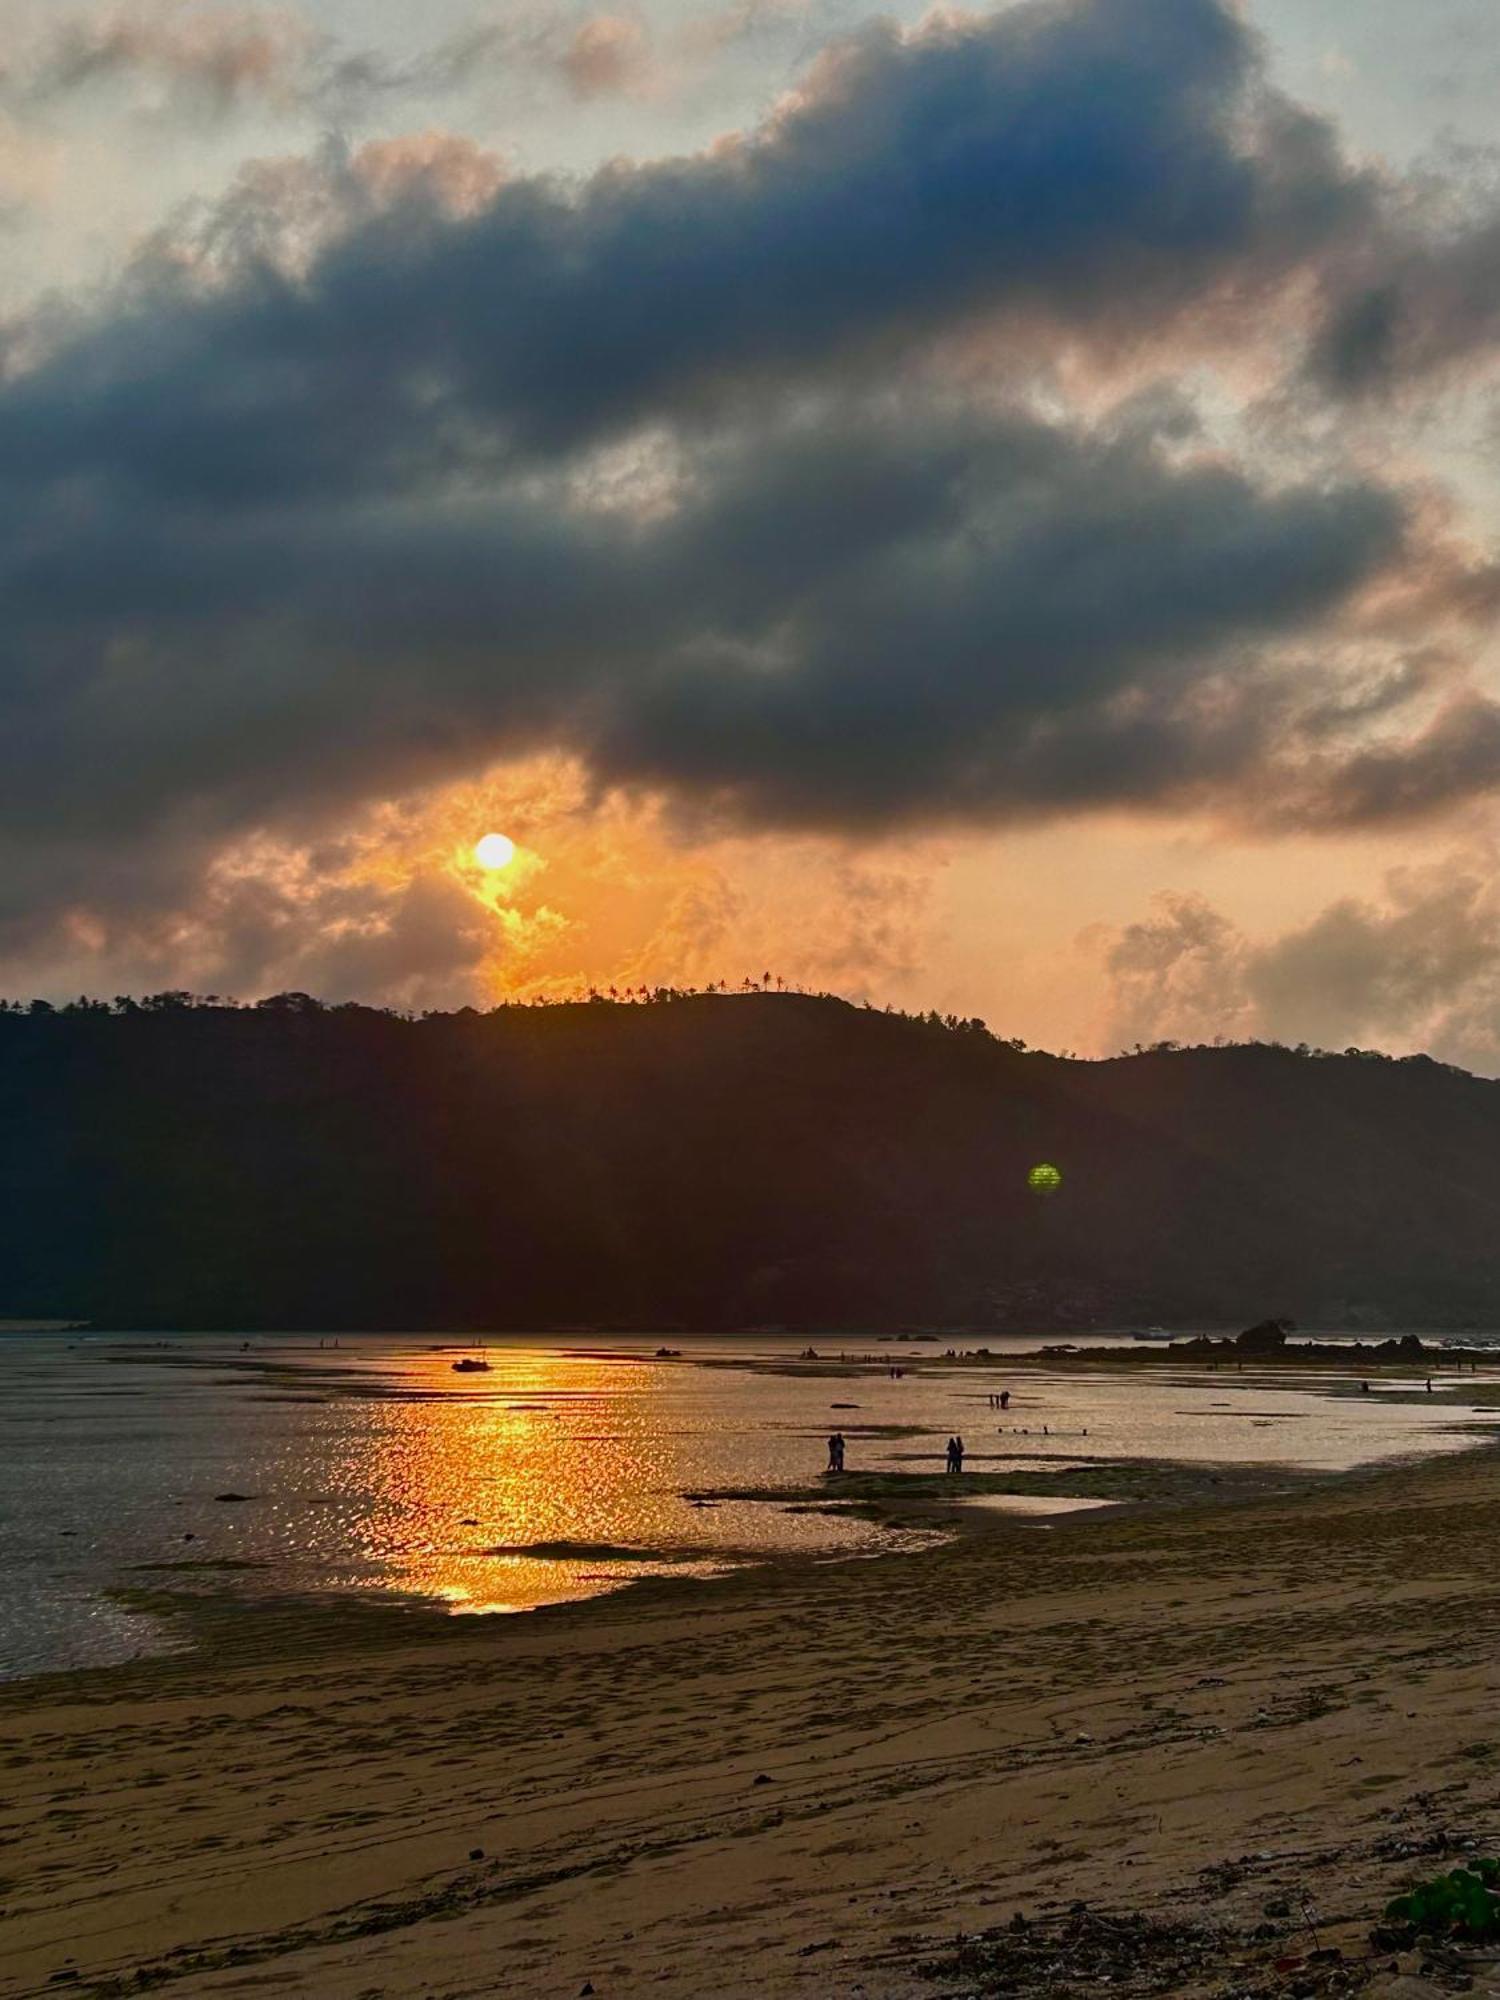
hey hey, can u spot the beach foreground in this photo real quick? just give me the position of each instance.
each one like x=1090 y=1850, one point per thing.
x=1261 y=1718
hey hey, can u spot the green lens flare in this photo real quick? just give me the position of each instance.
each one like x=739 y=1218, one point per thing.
x=1044 y=1179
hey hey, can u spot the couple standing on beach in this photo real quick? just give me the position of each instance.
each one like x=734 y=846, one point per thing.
x=955 y=1454
x=836 y=1452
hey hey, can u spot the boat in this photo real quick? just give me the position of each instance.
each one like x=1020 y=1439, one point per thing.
x=471 y=1366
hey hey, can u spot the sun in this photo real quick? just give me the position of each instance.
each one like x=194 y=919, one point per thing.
x=495 y=850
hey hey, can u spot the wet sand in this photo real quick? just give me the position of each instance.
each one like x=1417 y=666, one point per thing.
x=800 y=1779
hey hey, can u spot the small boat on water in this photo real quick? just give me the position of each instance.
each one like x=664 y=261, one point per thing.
x=471 y=1365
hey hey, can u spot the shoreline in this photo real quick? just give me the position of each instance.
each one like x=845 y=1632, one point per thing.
x=801 y=1777
x=193 y=1600
x=904 y=1491
x=205 y=1621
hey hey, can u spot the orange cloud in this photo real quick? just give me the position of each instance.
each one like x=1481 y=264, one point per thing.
x=604 y=893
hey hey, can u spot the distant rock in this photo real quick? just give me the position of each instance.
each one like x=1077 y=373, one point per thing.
x=1267 y=1336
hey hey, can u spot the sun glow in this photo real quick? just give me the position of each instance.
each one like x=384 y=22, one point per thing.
x=603 y=891
x=495 y=850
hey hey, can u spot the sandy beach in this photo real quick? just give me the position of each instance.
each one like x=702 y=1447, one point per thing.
x=808 y=1778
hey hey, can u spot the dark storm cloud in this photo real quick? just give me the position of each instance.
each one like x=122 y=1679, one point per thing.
x=969 y=625
x=861 y=619
x=306 y=530
x=1099 y=163
x=1455 y=757
x=1411 y=309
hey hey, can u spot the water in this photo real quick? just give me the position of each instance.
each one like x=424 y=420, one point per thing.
x=556 y=1475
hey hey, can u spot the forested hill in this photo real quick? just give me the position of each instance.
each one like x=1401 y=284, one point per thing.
x=720 y=1161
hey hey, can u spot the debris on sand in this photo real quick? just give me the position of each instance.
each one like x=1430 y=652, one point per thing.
x=1077 y=1952
x=1135 y=1956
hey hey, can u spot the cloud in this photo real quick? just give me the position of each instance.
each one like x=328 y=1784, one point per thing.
x=390 y=906
x=1454 y=758
x=28 y=169
x=390 y=466
x=192 y=59
x=213 y=58
x=1424 y=309
x=608 y=55
x=1178 y=974
x=264 y=925
x=869 y=618
x=1409 y=302
x=1100 y=165
x=942 y=621
x=1417 y=969
x=280 y=214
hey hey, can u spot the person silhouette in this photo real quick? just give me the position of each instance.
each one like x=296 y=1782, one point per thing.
x=955 y=1454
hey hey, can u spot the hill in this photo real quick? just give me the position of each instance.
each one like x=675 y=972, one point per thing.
x=720 y=1161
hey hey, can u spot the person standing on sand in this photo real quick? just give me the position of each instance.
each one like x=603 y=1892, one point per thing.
x=955 y=1454
x=1005 y=1399
x=836 y=1452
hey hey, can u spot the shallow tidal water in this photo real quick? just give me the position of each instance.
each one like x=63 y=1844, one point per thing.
x=561 y=1472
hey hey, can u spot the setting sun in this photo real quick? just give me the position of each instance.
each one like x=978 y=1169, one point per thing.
x=495 y=850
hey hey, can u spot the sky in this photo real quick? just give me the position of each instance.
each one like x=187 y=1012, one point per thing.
x=989 y=509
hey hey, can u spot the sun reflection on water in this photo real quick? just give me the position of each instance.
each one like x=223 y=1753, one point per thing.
x=550 y=1477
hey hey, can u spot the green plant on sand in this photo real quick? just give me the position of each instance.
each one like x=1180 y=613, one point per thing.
x=1466 y=1901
